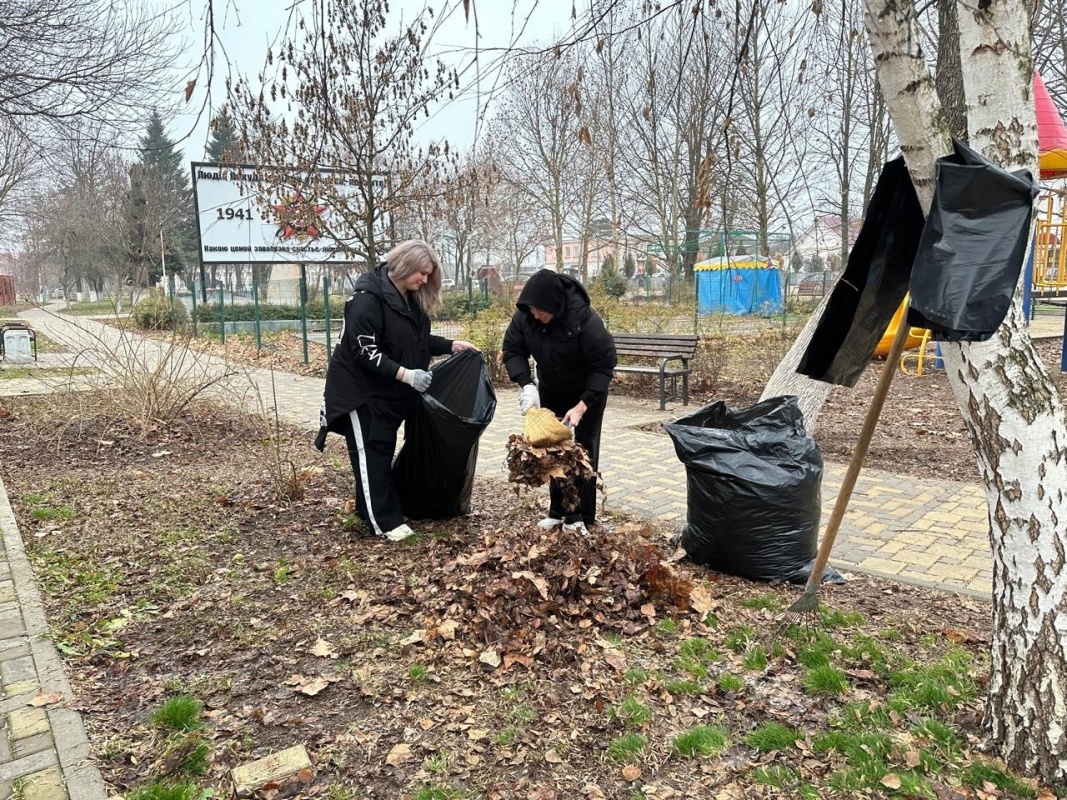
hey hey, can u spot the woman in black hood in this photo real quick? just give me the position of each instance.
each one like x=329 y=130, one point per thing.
x=575 y=357
x=379 y=367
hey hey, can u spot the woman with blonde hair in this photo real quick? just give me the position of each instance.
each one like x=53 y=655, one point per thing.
x=379 y=366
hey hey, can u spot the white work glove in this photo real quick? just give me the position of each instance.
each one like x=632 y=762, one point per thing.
x=417 y=379
x=529 y=398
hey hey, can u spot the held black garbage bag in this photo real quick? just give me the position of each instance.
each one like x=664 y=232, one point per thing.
x=972 y=248
x=873 y=285
x=434 y=471
x=754 y=479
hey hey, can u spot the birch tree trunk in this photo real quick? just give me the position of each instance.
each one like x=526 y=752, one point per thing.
x=811 y=394
x=1009 y=404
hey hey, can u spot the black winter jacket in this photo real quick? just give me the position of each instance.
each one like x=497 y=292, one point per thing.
x=382 y=332
x=575 y=354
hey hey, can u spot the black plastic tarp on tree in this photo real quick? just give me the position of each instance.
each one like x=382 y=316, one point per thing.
x=972 y=248
x=435 y=469
x=754 y=489
x=873 y=285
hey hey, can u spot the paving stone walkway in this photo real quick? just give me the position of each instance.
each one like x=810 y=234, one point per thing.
x=931 y=533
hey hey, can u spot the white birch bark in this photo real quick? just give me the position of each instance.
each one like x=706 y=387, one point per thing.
x=1016 y=418
x=811 y=394
x=1009 y=403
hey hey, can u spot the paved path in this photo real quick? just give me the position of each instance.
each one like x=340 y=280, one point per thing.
x=932 y=533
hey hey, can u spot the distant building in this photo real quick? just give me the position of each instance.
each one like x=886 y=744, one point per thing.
x=823 y=239
x=598 y=252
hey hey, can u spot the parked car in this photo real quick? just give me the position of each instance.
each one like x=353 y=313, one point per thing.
x=447 y=283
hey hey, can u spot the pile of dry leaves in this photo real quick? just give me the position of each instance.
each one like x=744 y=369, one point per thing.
x=521 y=593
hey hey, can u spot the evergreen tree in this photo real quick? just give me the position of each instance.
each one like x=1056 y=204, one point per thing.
x=223 y=146
x=629 y=266
x=169 y=227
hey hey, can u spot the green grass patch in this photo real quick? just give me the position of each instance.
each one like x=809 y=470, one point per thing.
x=165 y=791
x=978 y=773
x=703 y=740
x=835 y=618
x=730 y=683
x=738 y=639
x=666 y=627
x=96 y=308
x=180 y=713
x=774 y=775
x=764 y=602
x=694 y=656
x=417 y=673
x=506 y=737
x=47 y=513
x=771 y=736
x=632 y=712
x=437 y=792
x=756 y=658
x=75 y=577
x=686 y=686
x=824 y=681
x=627 y=749
x=937 y=687
x=635 y=676
x=866 y=651
x=938 y=737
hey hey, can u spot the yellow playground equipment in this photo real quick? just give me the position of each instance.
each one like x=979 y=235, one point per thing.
x=914 y=339
x=1050 y=257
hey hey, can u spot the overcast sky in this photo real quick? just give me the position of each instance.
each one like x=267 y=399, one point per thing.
x=247 y=28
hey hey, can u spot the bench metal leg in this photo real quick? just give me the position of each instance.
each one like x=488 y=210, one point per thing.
x=662 y=392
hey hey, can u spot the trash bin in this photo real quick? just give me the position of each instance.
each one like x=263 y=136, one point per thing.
x=18 y=348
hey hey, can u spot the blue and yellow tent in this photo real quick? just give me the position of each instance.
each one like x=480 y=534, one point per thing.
x=738 y=285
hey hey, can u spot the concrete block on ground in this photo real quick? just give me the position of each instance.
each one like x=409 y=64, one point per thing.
x=44 y=785
x=289 y=769
x=27 y=722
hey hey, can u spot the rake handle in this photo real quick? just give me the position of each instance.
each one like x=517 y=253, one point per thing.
x=870 y=422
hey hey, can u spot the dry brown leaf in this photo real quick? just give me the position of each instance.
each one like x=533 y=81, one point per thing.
x=323 y=649
x=46 y=699
x=700 y=599
x=540 y=583
x=631 y=773
x=490 y=657
x=891 y=781
x=552 y=757
x=447 y=629
x=616 y=659
x=398 y=755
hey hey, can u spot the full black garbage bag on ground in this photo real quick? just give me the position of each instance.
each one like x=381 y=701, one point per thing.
x=754 y=484
x=972 y=248
x=435 y=469
x=873 y=285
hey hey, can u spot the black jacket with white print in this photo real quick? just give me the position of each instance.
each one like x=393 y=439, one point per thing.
x=382 y=332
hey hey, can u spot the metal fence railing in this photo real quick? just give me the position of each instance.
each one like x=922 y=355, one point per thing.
x=311 y=306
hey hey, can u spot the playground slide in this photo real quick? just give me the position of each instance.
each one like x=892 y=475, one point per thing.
x=914 y=338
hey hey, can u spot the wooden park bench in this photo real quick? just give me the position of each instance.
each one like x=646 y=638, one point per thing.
x=661 y=348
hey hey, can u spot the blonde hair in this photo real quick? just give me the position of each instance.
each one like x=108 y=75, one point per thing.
x=410 y=257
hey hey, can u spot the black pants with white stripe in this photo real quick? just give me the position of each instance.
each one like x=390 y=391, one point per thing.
x=371 y=444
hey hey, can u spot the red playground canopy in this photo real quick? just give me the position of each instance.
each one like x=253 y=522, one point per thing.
x=1051 y=133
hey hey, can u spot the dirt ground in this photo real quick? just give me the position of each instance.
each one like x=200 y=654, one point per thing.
x=484 y=658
